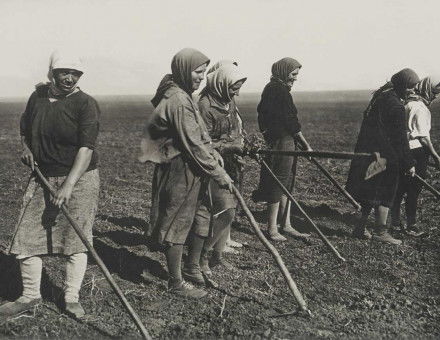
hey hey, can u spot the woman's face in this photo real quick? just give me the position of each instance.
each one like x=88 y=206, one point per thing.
x=197 y=76
x=66 y=79
x=291 y=78
x=234 y=90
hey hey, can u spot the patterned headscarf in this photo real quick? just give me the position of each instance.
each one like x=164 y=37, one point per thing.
x=182 y=64
x=426 y=90
x=220 y=64
x=283 y=67
x=219 y=82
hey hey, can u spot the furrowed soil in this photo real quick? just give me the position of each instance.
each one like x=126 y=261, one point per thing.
x=381 y=291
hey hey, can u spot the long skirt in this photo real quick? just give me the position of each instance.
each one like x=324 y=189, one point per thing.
x=215 y=200
x=42 y=227
x=175 y=200
x=268 y=190
x=381 y=188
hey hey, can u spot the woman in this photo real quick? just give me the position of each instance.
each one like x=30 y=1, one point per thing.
x=278 y=121
x=383 y=131
x=177 y=140
x=230 y=244
x=58 y=131
x=419 y=126
x=225 y=129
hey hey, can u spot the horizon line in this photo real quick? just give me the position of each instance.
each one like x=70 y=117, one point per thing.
x=151 y=94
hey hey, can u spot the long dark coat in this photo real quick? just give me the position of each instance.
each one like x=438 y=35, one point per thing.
x=383 y=130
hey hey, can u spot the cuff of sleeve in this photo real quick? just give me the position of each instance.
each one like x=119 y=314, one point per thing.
x=87 y=145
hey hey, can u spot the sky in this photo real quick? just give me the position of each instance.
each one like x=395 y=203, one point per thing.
x=127 y=45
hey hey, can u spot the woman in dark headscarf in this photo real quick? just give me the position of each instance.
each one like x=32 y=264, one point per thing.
x=176 y=139
x=383 y=131
x=59 y=129
x=418 y=119
x=278 y=121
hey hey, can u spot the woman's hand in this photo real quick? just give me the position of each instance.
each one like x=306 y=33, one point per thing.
x=218 y=158
x=227 y=183
x=63 y=195
x=411 y=172
x=27 y=157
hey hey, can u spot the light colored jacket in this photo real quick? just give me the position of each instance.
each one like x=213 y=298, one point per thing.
x=175 y=128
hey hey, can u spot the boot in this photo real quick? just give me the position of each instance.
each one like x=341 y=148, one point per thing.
x=19 y=306
x=74 y=310
x=204 y=263
x=185 y=289
x=362 y=233
x=192 y=273
x=381 y=234
x=218 y=260
x=413 y=230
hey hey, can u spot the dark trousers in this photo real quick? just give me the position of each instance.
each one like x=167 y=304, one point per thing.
x=411 y=187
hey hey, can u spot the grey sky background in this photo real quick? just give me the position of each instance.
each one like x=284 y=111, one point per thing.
x=127 y=45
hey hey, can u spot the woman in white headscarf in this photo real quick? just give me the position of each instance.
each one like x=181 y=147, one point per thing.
x=225 y=128
x=419 y=125
x=59 y=128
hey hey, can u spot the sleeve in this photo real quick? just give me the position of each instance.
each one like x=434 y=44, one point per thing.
x=195 y=142
x=420 y=122
x=89 y=124
x=26 y=117
x=290 y=114
x=399 y=137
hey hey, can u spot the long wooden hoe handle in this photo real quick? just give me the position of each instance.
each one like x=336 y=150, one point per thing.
x=323 y=154
x=428 y=186
x=98 y=260
x=294 y=201
x=286 y=274
x=336 y=184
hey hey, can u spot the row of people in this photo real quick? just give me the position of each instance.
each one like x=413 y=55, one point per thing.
x=196 y=147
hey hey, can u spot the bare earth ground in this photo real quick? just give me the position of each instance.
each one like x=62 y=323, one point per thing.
x=382 y=290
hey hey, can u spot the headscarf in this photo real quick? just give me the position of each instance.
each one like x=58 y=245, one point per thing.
x=426 y=90
x=220 y=64
x=182 y=64
x=403 y=80
x=283 y=67
x=219 y=82
x=400 y=81
x=63 y=60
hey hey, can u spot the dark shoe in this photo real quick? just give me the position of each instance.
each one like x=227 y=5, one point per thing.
x=361 y=233
x=74 y=310
x=294 y=233
x=186 y=289
x=381 y=234
x=193 y=274
x=204 y=263
x=11 y=309
x=218 y=260
x=414 y=231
